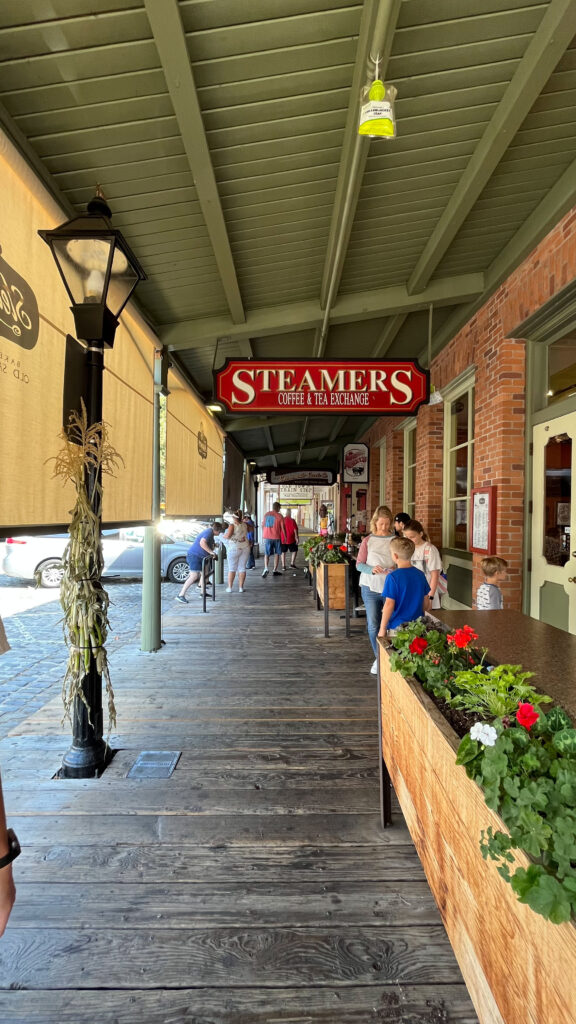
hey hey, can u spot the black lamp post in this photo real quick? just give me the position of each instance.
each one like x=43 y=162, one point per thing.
x=100 y=273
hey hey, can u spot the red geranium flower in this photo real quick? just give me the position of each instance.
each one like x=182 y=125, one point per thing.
x=343 y=547
x=470 y=632
x=418 y=645
x=526 y=715
x=461 y=638
x=329 y=546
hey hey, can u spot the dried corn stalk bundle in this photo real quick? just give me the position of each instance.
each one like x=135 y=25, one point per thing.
x=85 y=455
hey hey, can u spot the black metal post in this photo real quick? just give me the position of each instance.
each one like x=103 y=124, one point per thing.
x=87 y=754
x=385 y=783
x=347 y=597
x=326 y=600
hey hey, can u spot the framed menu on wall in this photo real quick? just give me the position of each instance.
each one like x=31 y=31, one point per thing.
x=483 y=520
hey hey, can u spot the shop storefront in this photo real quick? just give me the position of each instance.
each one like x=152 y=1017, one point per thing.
x=503 y=426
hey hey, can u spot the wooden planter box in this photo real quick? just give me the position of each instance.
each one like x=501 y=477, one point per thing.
x=336 y=584
x=519 y=968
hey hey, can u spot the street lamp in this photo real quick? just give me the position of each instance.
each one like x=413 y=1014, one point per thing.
x=100 y=273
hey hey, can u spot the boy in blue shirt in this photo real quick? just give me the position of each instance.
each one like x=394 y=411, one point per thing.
x=405 y=590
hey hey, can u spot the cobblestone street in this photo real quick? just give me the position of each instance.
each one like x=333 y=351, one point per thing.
x=31 y=672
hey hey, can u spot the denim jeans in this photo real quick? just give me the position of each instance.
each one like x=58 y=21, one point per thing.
x=374 y=604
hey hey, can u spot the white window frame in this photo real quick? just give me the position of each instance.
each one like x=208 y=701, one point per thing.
x=382 y=483
x=409 y=481
x=464 y=384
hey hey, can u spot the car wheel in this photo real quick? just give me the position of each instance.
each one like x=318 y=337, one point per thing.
x=178 y=571
x=50 y=573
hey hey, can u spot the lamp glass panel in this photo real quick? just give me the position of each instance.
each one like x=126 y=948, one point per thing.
x=123 y=280
x=83 y=263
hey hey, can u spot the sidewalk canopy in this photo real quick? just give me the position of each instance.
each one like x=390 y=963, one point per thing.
x=225 y=139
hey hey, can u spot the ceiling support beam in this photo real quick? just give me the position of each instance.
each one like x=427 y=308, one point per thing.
x=333 y=435
x=548 y=44
x=380 y=302
x=270 y=442
x=378 y=25
x=256 y=423
x=312 y=446
x=170 y=40
x=388 y=335
x=547 y=214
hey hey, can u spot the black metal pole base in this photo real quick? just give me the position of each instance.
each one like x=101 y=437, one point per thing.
x=83 y=762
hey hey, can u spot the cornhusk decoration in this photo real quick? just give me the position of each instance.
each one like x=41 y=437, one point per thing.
x=85 y=455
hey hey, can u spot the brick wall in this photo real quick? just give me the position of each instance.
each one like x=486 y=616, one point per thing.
x=499 y=403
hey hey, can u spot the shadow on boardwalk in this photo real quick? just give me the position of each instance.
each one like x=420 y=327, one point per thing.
x=254 y=885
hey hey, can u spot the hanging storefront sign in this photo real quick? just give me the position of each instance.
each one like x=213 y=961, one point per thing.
x=365 y=387
x=312 y=477
x=355 y=463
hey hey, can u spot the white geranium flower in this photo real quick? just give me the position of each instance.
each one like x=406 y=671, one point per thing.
x=485 y=734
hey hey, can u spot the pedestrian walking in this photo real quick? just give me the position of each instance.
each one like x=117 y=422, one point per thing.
x=203 y=547
x=251 y=527
x=237 y=551
x=290 y=540
x=272 y=534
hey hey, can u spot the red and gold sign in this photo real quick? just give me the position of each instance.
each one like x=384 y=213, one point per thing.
x=369 y=387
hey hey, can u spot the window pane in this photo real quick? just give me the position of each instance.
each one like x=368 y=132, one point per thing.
x=459 y=421
x=562 y=369
x=458 y=525
x=459 y=473
x=558 y=499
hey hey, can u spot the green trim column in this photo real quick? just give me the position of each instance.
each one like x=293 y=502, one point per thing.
x=150 y=636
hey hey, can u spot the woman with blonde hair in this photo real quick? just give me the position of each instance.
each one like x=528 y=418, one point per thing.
x=374 y=562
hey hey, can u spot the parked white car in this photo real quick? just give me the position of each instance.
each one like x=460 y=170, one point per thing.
x=123 y=556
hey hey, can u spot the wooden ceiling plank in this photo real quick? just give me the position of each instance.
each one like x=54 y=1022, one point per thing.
x=555 y=204
x=166 y=25
x=548 y=44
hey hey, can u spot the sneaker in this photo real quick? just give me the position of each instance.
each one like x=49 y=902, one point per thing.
x=374 y=669
x=240 y=590
x=228 y=590
x=183 y=600
x=264 y=574
x=283 y=568
x=276 y=573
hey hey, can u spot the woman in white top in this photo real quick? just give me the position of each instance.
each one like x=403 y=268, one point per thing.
x=374 y=562
x=237 y=551
x=426 y=557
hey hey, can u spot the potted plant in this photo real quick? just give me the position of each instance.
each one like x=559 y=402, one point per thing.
x=330 y=551
x=510 y=798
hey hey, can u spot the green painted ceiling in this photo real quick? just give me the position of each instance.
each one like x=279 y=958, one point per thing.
x=223 y=133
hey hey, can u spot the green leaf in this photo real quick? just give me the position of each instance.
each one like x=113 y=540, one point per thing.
x=544 y=894
x=468 y=750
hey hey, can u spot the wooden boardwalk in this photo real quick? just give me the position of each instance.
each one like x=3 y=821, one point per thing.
x=253 y=887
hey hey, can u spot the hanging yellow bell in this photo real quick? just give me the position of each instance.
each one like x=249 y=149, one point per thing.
x=377 y=118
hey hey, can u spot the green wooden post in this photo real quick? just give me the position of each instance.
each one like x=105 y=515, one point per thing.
x=150 y=635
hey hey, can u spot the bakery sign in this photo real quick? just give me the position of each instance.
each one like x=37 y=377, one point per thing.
x=19 y=320
x=369 y=387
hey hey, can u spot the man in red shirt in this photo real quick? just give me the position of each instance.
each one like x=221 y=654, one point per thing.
x=289 y=539
x=272 y=534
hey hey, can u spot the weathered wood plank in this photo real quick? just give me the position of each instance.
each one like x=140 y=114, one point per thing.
x=227 y=904
x=211 y=830
x=106 y=863
x=130 y=796
x=226 y=957
x=405 y=1004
